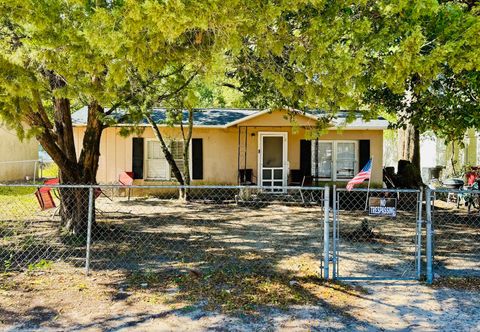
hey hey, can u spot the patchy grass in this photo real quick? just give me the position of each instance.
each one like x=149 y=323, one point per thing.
x=50 y=170
x=43 y=264
x=17 y=192
x=7 y=282
x=460 y=283
x=238 y=293
x=17 y=202
x=66 y=291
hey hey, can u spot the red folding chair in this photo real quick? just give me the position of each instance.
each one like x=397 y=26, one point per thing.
x=126 y=180
x=45 y=198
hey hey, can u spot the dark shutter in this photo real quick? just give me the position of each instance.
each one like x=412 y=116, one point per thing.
x=363 y=153
x=137 y=157
x=306 y=157
x=197 y=159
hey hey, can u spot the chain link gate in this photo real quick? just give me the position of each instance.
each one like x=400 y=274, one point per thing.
x=366 y=246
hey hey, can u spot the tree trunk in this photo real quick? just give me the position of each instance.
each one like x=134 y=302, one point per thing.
x=409 y=150
x=74 y=210
x=182 y=193
x=166 y=151
x=187 y=138
x=75 y=205
x=409 y=145
x=59 y=144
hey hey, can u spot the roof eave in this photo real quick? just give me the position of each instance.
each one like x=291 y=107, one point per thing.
x=147 y=125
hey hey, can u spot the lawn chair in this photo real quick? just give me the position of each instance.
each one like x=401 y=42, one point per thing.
x=45 y=198
x=245 y=177
x=125 y=179
x=46 y=201
x=307 y=181
x=97 y=192
x=296 y=178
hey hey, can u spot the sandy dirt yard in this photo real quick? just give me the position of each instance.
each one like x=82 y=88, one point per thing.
x=55 y=298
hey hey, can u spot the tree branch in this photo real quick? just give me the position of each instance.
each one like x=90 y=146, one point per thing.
x=166 y=151
x=231 y=86
x=183 y=86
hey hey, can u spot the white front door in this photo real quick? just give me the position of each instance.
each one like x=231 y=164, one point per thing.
x=272 y=161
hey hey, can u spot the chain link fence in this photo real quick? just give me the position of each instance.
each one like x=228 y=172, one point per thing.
x=31 y=230
x=456 y=232
x=294 y=231
x=232 y=229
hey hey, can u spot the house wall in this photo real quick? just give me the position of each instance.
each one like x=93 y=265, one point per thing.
x=297 y=134
x=220 y=150
x=12 y=150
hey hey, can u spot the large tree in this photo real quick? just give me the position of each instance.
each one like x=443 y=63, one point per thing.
x=425 y=78
x=59 y=55
x=362 y=56
x=50 y=64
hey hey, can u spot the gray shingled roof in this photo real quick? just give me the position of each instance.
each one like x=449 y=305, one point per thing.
x=223 y=117
x=201 y=117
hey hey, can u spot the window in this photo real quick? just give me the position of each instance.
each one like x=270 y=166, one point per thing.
x=176 y=148
x=337 y=160
x=157 y=167
x=325 y=157
x=346 y=161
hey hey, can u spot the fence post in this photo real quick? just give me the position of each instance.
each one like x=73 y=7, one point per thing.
x=334 y=231
x=326 y=232
x=35 y=172
x=419 y=233
x=428 y=201
x=89 y=229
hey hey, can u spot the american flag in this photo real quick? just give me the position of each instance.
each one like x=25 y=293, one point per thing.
x=362 y=176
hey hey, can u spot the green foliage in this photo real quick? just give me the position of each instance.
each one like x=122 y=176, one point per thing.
x=308 y=54
x=7 y=264
x=430 y=77
x=365 y=56
x=42 y=264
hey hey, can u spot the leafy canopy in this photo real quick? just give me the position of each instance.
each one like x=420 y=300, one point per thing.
x=303 y=54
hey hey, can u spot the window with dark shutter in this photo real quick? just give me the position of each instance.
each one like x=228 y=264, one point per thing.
x=137 y=157
x=363 y=152
x=197 y=159
x=306 y=157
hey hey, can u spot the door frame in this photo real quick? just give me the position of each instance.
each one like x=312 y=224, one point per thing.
x=285 y=165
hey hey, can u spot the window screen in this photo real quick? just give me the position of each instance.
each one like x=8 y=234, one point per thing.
x=325 y=156
x=345 y=160
x=157 y=166
x=176 y=148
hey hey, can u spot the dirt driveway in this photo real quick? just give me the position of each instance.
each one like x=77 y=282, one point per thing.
x=57 y=298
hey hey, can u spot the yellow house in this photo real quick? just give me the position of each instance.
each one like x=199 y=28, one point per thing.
x=233 y=146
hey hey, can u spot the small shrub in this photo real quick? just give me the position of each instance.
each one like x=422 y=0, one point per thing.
x=43 y=264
